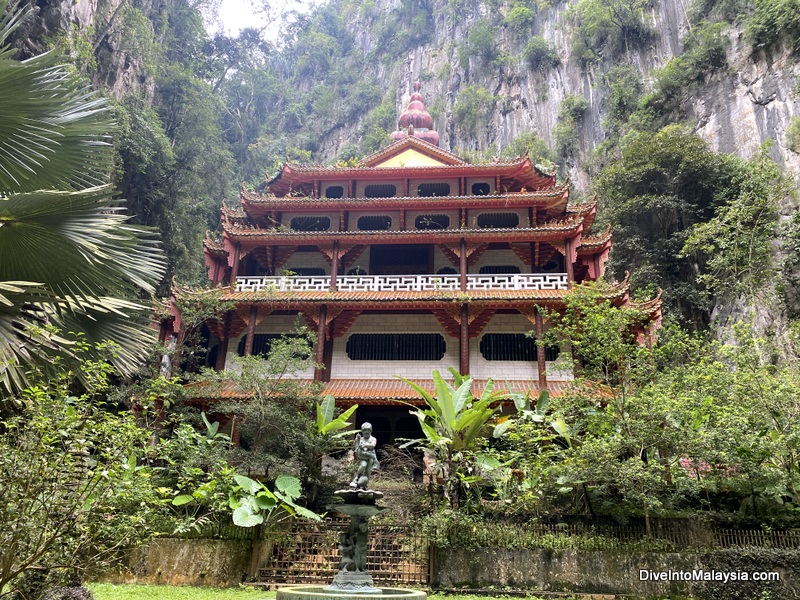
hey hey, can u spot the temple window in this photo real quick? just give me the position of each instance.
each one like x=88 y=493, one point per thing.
x=380 y=190
x=498 y=269
x=502 y=220
x=447 y=271
x=481 y=189
x=374 y=222
x=513 y=346
x=426 y=190
x=334 y=191
x=263 y=342
x=396 y=346
x=432 y=222
x=310 y=224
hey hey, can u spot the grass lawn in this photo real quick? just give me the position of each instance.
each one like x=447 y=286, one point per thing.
x=108 y=591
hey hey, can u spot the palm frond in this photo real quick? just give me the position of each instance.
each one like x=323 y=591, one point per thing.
x=54 y=131
x=79 y=243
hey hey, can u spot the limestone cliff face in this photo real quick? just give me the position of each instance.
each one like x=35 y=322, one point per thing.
x=735 y=110
x=101 y=31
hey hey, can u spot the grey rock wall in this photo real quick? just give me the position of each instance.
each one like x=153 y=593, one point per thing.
x=736 y=111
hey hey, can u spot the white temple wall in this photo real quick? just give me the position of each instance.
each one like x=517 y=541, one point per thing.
x=342 y=367
x=472 y=215
x=270 y=324
x=480 y=368
x=352 y=220
x=307 y=260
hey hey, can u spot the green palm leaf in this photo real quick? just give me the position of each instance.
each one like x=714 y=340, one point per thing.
x=68 y=256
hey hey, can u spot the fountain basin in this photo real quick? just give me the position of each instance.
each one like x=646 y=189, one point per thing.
x=318 y=592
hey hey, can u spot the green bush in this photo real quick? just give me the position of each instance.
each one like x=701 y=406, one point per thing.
x=472 y=107
x=705 y=52
x=773 y=21
x=480 y=43
x=793 y=134
x=520 y=18
x=540 y=55
x=607 y=26
x=570 y=113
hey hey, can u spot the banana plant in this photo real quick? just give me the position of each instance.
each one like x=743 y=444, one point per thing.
x=326 y=424
x=453 y=422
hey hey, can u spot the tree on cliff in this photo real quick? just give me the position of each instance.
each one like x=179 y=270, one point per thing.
x=69 y=261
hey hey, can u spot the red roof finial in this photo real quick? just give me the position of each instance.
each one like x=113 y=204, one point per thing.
x=416 y=115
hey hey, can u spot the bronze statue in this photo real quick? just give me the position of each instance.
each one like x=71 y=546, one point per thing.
x=364 y=449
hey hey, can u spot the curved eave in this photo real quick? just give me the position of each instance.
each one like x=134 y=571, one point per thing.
x=255 y=237
x=398 y=300
x=553 y=200
x=371 y=391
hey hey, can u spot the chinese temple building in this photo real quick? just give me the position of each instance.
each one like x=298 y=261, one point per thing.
x=411 y=261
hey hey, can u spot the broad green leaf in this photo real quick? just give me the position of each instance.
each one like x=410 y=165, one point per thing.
x=244 y=517
x=247 y=484
x=181 y=500
x=325 y=410
x=461 y=397
x=340 y=422
x=501 y=428
x=289 y=486
x=266 y=500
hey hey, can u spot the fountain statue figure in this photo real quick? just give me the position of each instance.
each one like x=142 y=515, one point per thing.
x=364 y=450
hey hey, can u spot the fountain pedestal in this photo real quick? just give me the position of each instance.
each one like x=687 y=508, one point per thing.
x=353 y=576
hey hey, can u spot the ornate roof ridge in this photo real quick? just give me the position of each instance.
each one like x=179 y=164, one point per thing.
x=301 y=168
x=258 y=198
x=564 y=224
x=213 y=242
x=583 y=207
x=649 y=306
x=596 y=239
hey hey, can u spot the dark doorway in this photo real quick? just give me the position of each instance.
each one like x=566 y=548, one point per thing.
x=390 y=424
x=404 y=259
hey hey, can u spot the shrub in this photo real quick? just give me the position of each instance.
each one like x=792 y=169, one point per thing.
x=473 y=105
x=607 y=25
x=480 y=43
x=773 y=21
x=793 y=134
x=540 y=55
x=520 y=18
x=570 y=113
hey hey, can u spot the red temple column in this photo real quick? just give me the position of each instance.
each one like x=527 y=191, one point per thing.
x=463 y=345
x=235 y=266
x=541 y=363
x=568 y=261
x=334 y=264
x=462 y=265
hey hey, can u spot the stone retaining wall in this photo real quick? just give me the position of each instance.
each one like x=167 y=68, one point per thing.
x=615 y=572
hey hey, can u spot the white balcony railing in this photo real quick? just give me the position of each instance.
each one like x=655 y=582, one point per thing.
x=403 y=283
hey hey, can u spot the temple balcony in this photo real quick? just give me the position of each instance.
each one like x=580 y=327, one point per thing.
x=403 y=283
